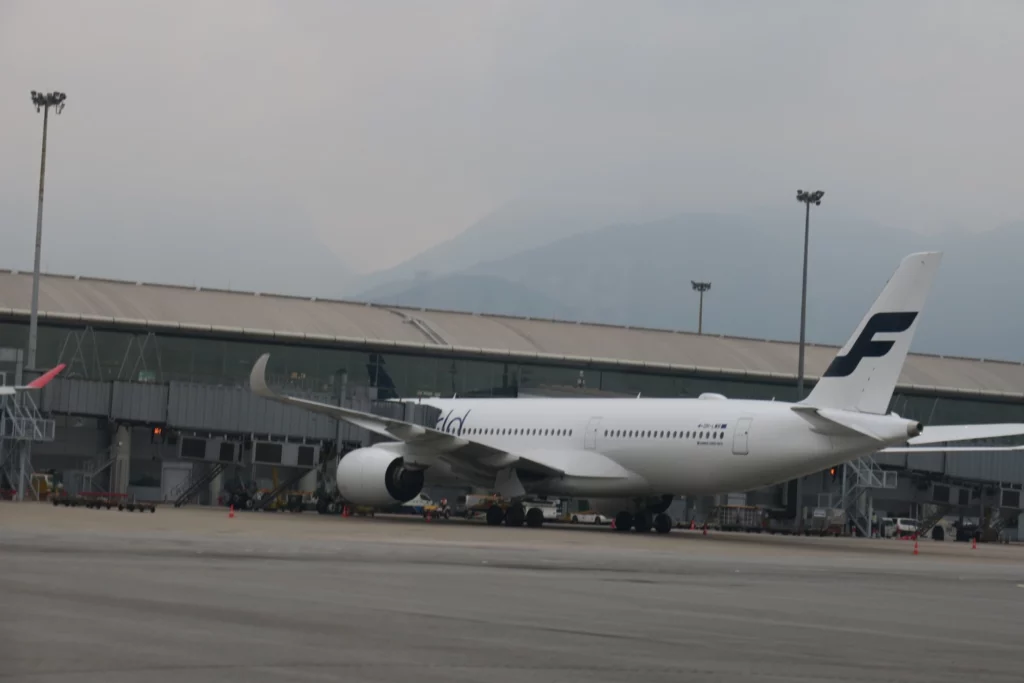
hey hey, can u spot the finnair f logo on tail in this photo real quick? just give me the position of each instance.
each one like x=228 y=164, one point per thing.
x=866 y=346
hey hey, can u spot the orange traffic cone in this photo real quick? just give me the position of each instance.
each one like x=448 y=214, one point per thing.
x=231 y=512
x=693 y=525
x=612 y=525
x=705 y=528
x=974 y=543
x=427 y=516
x=915 y=547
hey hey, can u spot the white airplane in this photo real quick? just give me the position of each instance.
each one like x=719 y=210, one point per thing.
x=37 y=383
x=630 y=457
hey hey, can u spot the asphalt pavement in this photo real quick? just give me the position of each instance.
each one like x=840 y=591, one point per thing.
x=191 y=595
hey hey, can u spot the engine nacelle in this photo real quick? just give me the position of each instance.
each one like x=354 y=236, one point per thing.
x=376 y=477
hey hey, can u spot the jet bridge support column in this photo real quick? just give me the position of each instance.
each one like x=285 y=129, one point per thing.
x=216 y=486
x=120 y=469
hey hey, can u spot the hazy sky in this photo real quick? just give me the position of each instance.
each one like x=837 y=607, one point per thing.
x=386 y=127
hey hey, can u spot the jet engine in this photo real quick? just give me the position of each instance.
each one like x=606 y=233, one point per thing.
x=376 y=477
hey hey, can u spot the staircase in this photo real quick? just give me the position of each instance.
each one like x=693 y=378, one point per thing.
x=21 y=423
x=89 y=478
x=281 y=488
x=931 y=520
x=859 y=477
x=997 y=519
x=194 y=484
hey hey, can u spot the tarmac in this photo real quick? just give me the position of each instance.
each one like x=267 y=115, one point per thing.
x=191 y=594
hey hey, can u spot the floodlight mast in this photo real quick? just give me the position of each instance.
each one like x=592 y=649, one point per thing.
x=43 y=102
x=700 y=287
x=807 y=198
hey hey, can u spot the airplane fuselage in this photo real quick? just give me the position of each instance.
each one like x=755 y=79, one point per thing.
x=626 y=452
x=670 y=446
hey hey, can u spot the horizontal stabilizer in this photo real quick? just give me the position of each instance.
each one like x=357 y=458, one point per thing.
x=837 y=421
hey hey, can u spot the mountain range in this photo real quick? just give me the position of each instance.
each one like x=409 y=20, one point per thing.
x=639 y=274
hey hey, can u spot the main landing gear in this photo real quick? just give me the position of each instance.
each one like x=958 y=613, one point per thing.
x=642 y=522
x=515 y=515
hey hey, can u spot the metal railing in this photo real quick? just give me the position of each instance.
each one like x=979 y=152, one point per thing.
x=21 y=423
x=197 y=482
x=860 y=476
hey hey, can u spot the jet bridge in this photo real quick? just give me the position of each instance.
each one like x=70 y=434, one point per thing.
x=187 y=436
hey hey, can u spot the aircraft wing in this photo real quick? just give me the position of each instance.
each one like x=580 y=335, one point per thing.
x=946 y=433
x=951 y=449
x=37 y=383
x=941 y=434
x=426 y=443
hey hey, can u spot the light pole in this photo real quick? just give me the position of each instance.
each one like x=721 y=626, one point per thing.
x=700 y=287
x=807 y=198
x=43 y=102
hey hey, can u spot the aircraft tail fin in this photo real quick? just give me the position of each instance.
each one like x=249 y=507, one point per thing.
x=864 y=373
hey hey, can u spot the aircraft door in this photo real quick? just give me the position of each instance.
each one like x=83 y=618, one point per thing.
x=590 y=436
x=740 y=439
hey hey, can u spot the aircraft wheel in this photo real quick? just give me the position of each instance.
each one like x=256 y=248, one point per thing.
x=623 y=521
x=642 y=522
x=534 y=518
x=663 y=524
x=575 y=519
x=515 y=516
x=495 y=515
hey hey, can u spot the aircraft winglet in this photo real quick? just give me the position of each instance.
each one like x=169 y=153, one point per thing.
x=258 y=378
x=37 y=383
x=44 y=379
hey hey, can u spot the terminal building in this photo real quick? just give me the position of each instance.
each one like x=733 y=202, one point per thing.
x=154 y=397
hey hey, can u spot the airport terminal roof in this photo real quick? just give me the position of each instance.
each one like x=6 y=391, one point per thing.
x=98 y=302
